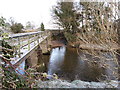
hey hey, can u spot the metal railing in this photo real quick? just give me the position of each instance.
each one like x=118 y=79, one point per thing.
x=19 y=41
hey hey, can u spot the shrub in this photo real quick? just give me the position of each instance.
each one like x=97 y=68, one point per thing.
x=17 y=28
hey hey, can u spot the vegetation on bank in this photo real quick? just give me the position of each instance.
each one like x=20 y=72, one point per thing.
x=67 y=18
x=87 y=22
x=91 y=24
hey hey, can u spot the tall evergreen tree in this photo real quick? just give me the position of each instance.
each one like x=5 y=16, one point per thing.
x=42 y=27
x=65 y=16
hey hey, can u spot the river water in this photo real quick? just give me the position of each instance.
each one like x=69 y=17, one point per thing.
x=69 y=65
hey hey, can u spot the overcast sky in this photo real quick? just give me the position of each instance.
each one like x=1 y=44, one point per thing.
x=22 y=11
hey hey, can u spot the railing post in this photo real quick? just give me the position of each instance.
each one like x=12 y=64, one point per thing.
x=28 y=42
x=46 y=33
x=38 y=38
x=42 y=35
x=22 y=41
x=34 y=39
x=12 y=42
x=14 y=48
x=19 y=47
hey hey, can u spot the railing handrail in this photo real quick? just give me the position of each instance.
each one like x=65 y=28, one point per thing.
x=24 y=34
x=22 y=39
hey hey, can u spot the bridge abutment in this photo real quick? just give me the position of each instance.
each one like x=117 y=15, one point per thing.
x=36 y=56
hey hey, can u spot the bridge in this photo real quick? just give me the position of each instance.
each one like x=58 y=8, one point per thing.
x=25 y=44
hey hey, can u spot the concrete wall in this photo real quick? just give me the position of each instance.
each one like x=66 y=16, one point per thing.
x=34 y=58
x=36 y=55
x=45 y=45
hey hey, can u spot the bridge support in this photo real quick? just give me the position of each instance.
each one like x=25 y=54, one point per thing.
x=45 y=46
x=34 y=58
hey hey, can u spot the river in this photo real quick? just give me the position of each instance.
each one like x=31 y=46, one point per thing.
x=69 y=65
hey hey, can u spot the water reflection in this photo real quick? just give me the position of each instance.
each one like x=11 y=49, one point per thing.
x=21 y=68
x=56 y=60
x=68 y=65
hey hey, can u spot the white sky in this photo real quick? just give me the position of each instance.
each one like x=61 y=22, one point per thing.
x=22 y=11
